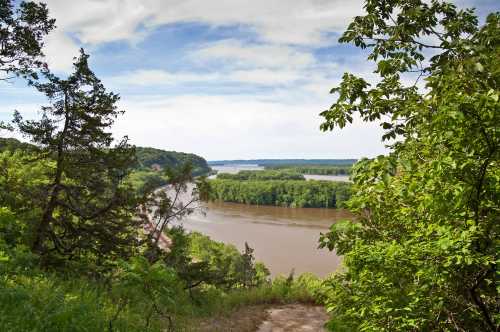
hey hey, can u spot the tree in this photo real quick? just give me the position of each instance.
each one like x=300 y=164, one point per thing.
x=22 y=31
x=86 y=209
x=162 y=206
x=423 y=253
x=247 y=268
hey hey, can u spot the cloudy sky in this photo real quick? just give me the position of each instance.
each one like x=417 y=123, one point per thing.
x=227 y=79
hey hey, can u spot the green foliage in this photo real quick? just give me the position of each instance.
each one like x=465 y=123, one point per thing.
x=143 y=180
x=262 y=175
x=73 y=253
x=86 y=210
x=54 y=303
x=12 y=144
x=21 y=35
x=224 y=265
x=22 y=181
x=295 y=193
x=155 y=285
x=138 y=295
x=424 y=251
x=148 y=157
x=314 y=169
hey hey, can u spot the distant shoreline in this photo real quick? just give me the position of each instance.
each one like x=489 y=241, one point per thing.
x=269 y=162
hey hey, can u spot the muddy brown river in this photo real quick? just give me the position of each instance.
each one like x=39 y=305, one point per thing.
x=283 y=238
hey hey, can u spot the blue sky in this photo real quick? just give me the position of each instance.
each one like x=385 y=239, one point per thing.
x=227 y=79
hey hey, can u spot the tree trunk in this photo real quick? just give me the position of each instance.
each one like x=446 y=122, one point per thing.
x=40 y=233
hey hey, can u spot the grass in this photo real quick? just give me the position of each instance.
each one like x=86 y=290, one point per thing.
x=44 y=302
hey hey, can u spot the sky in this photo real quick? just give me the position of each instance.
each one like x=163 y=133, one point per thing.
x=225 y=79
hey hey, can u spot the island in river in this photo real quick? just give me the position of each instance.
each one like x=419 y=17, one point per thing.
x=284 y=239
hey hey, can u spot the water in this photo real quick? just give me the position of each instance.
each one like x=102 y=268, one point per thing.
x=342 y=178
x=233 y=169
x=283 y=238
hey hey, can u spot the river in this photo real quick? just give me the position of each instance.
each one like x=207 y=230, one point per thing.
x=283 y=238
x=235 y=168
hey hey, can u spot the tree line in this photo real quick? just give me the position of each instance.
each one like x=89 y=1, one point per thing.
x=287 y=193
x=314 y=169
x=262 y=175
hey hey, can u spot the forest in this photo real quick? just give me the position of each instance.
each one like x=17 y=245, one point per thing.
x=262 y=175
x=147 y=157
x=287 y=193
x=314 y=169
x=142 y=176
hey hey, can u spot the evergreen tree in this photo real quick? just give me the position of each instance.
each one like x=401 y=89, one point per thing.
x=86 y=207
x=22 y=31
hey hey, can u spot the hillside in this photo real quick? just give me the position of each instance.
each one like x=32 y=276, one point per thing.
x=146 y=157
x=14 y=144
x=151 y=157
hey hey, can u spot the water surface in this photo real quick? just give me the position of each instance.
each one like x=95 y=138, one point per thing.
x=283 y=238
x=235 y=168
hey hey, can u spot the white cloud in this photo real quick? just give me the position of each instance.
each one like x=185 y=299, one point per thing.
x=99 y=21
x=278 y=122
x=279 y=21
x=239 y=126
x=276 y=23
x=159 y=78
x=264 y=76
x=60 y=51
x=235 y=53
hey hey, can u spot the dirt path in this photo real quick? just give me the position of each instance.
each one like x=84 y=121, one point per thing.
x=294 y=318
x=267 y=318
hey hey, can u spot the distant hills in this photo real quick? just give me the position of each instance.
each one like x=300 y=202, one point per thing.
x=152 y=158
x=147 y=158
x=14 y=144
x=272 y=162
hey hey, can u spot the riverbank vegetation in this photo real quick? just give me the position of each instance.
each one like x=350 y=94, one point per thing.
x=288 y=193
x=313 y=169
x=135 y=295
x=262 y=175
x=143 y=175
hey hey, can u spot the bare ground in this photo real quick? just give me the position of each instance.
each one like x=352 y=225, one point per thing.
x=245 y=319
x=295 y=318
x=266 y=318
